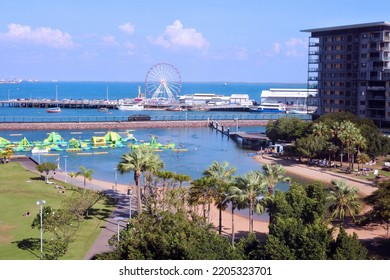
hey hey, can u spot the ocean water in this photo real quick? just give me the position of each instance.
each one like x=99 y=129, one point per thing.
x=119 y=90
x=204 y=145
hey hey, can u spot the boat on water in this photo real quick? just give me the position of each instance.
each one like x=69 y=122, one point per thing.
x=131 y=107
x=53 y=110
x=269 y=108
x=176 y=109
x=103 y=109
x=297 y=111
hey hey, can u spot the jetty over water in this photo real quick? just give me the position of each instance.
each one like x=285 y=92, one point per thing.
x=65 y=103
x=249 y=140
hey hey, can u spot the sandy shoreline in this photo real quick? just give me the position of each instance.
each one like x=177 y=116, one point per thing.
x=241 y=222
x=314 y=173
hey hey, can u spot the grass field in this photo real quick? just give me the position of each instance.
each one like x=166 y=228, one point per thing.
x=19 y=191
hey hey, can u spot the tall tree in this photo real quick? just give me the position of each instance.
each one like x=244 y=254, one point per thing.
x=223 y=174
x=46 y=167
x=86 y=173
x=343 y=201
x=273 y=174
x=138 y=161
x=250 y=188
x=380 y=202
x=201 y=192
x=237 y=201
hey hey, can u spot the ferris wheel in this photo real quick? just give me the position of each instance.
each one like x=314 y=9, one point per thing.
x=163 y=81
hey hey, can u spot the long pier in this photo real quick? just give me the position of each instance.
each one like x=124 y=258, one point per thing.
x=248 y=140
x=71 y=103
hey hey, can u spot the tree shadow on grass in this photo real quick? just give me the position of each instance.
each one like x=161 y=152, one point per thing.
x=31 y=245
x=40 y=178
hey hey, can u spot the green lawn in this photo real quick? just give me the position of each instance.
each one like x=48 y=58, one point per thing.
x=19 y=192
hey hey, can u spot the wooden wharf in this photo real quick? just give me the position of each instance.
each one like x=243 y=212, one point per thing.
x=248 y=140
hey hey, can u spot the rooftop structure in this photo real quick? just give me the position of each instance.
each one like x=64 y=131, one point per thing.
x=349 y=65
x=215 y=99
x=290 y=96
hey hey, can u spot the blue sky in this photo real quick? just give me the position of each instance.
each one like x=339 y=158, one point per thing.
x=206 y=40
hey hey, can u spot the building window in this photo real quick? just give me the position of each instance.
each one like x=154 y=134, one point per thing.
x=363 y=55
x=364 y=36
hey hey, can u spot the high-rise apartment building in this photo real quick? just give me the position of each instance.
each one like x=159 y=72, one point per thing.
x=350 y=67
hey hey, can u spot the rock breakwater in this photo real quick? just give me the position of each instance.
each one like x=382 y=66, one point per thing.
x=125 y=125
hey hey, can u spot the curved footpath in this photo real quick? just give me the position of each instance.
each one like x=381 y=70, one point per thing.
x=124 y=125
x=111 y=224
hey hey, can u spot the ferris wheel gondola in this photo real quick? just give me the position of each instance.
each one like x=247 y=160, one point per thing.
x=163 y=80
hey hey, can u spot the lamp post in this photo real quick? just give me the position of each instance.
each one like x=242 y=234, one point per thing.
x=65 y=157
x=118 y=220
x=41 y=203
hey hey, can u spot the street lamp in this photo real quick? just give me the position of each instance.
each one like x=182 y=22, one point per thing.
x=118 y=220
x=41 y=203
x=65 y=157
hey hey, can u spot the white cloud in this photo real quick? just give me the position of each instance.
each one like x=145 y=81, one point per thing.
x=294 y=47
x=127 y=28
x=47 y=36
x=242 y=54
x=276 y=48
x=175 y=35
x=130 y=47
x=109 y=40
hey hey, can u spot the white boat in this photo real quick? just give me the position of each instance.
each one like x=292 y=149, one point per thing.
x=53 y=110
x=103 y=109
x=131 y=107
x=40 y=150
x=269 y=108
x=297 y=111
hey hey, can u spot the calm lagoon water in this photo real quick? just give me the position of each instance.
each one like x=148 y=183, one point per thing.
x=204 y=145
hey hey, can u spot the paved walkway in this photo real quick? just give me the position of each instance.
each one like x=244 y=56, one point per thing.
x=119 y=215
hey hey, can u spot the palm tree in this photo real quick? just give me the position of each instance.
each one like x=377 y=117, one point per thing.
x=248 y=188
x=273 y=174
x=86 y=173
x=237 y=202
x=201 y=192
x=343 y=201
x=181 y=178
x=138 y=161
x=362 y=158
x=223 y=175
x=351 y=138
x=165 y=175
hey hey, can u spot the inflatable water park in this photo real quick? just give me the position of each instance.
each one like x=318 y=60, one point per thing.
x=54 y=142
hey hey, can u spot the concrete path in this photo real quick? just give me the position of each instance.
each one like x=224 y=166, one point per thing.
x=119 y=216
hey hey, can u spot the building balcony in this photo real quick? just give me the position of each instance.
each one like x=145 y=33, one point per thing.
x=376 y=88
